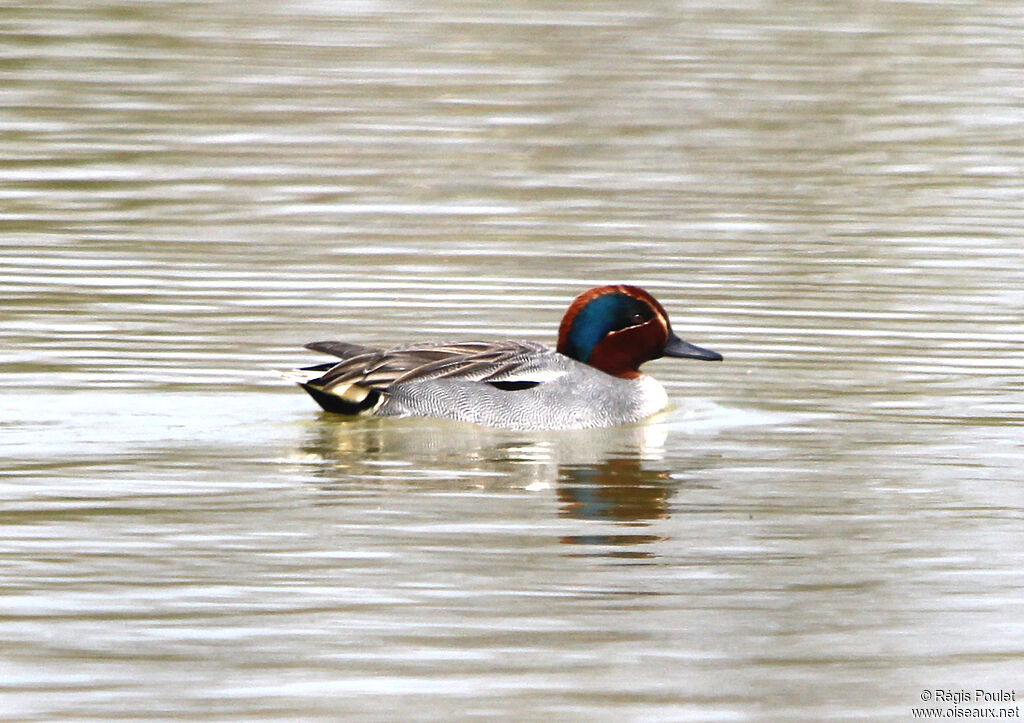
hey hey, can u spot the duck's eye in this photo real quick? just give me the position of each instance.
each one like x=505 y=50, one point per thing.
x=638 y=318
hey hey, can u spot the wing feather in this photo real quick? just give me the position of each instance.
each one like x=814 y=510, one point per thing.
x=468 y=361
x=340 y=349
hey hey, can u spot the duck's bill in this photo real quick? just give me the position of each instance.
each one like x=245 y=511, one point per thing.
x=684 y=350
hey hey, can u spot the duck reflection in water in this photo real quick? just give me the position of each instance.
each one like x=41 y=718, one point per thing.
x=620 y=490
x=616 y=475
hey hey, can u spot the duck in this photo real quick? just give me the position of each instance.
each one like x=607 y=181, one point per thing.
x=591 y=379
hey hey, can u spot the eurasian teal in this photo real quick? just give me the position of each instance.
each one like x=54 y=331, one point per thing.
x=592 y=379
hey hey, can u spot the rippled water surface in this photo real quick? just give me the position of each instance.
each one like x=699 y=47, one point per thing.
x=822 y=527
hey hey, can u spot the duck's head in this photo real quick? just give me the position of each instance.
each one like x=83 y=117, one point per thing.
x=618 y=328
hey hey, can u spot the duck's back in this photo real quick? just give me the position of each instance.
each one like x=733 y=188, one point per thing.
x=518 y=385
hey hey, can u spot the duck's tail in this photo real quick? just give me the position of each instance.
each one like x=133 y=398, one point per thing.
x=348 y=399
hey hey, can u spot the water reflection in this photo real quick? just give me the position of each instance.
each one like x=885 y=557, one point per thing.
x=617 y=475
x=619 y=489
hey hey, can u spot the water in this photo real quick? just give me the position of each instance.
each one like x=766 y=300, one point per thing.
x=822 y=527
